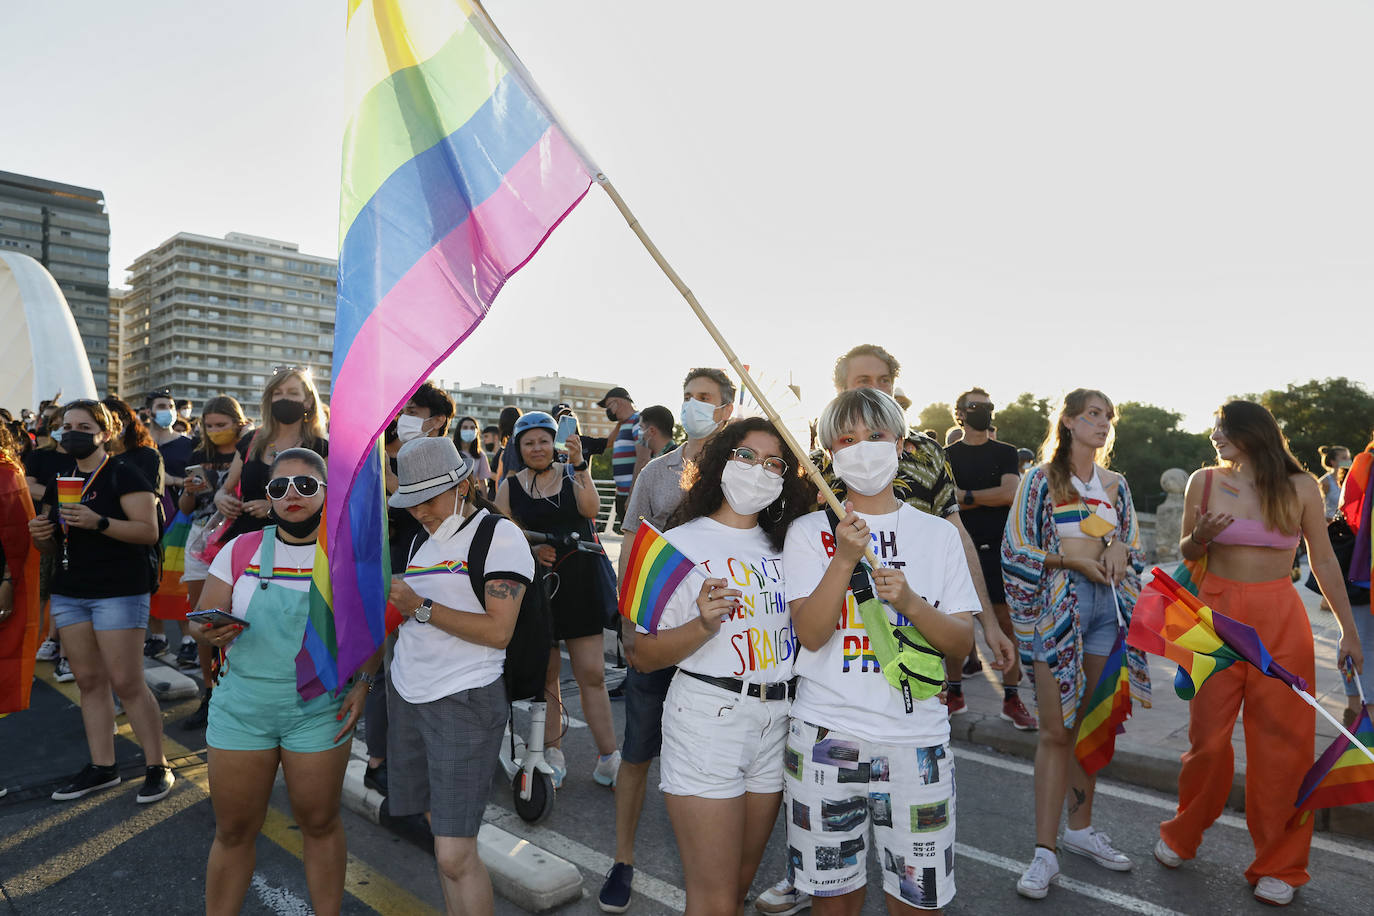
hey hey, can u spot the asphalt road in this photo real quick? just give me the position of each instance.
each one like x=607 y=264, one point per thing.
x=105 y=854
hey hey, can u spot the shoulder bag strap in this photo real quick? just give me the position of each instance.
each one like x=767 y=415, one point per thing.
x=477 y=556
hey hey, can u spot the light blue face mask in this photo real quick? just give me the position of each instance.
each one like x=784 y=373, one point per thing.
x=468 y=435
x=164 y=418
x=698 y=418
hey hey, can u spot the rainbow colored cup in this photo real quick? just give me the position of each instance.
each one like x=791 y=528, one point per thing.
x=69 y=490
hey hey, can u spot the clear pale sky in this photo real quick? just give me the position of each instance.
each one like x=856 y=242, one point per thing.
x=1172 y=201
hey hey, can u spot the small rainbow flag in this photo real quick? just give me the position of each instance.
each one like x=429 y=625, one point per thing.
x=1170 y=621
x=655 y=570
x=1108 y=709
x=1342 y=775
x=69 y=490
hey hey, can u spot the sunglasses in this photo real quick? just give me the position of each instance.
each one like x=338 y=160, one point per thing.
x=306 y=486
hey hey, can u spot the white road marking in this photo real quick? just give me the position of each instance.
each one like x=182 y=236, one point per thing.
x=675 y=898
x=280 y=900
x=1120 y=901
x=1141 y=798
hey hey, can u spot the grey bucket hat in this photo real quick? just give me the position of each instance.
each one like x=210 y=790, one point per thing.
x=427 y=467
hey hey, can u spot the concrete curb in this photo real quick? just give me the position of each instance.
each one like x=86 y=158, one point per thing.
x=166 y=682
x=1147 y=767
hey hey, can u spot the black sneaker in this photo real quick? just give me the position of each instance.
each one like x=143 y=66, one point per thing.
x=375 y=778
x=154 y=645
x=615 y=892
x=200 y=717
x=188 y=656
x=90 y=779
x=156 y=785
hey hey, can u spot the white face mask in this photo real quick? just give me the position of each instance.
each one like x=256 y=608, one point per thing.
x=698 y=419
x=449 y=526
x=867 y=467
x=749 y=489
x=467 y=435
x=408 y=427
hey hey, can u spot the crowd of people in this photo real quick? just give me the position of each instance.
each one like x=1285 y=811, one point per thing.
x=760 y=689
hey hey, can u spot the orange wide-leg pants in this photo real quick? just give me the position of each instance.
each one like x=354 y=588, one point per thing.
x=1280 y=731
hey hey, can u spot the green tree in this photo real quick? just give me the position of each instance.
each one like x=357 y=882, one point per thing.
x=1024 y=422
x=1148 y=443
x=1333 y=411
x=938 y=417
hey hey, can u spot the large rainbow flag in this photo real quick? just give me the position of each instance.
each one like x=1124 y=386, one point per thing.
x=1169 y=620
x=454 y=173
x=1342 y=775
x=653 y=573
x=1109 y=707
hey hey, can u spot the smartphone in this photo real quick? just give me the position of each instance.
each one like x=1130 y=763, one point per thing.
x=194 y=472
x=566 y=427
x=216 y=618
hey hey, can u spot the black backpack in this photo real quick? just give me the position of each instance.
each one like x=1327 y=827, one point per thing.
x=527 y=653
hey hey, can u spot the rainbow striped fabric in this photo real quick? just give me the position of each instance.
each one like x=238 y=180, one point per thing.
x=449 y=566
x=317 y=665
x=1342 y=775
x=1109 y=707
x=654 y=571
x=454 y=173
x=1171 y=621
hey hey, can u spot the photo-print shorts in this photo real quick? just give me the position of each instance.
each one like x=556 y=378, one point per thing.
x=837 y=785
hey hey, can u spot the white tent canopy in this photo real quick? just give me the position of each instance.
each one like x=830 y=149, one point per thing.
x=41 y=353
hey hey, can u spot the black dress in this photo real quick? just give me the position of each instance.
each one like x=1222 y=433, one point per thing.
x=582 y=584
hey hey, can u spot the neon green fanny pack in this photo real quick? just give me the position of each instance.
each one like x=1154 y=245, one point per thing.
x=913 y=667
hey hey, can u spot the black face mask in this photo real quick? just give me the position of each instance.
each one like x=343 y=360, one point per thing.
x=977 y=417
x=610 y=415
x=79 y=445
x=301 y=529
x=288 y=411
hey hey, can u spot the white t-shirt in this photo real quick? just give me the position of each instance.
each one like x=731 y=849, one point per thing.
x=430 y=663
x=841 y=686
x=756 y=643
x=292 y=564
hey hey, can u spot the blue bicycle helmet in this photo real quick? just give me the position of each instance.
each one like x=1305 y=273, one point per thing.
x=535 y=419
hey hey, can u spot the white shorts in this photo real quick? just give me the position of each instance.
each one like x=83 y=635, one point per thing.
x=718 y=744
x=195 y=570
x=838 y=784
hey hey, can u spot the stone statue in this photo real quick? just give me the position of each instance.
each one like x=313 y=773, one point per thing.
x=1169 y=516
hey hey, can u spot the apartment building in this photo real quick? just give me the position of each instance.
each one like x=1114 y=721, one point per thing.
x=580 y=394
x=484 y=402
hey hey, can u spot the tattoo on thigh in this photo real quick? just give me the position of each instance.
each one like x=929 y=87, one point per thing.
x=1078 y=800
x=505 y=588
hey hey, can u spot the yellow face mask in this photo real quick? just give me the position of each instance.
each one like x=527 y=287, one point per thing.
x=224 y=436
x=1094 y=525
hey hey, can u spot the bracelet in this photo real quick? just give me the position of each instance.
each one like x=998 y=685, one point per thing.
x=369 y=679
x=582 y=466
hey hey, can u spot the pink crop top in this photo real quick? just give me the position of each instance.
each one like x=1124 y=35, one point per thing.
x=1248 y=532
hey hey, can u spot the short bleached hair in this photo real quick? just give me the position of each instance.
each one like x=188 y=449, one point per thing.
x=875 y=409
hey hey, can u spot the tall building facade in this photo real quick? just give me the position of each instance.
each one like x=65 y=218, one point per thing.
x=117 y=296
x=579 y=394
x=66 y=229
x=206 y=316
x=484 y=402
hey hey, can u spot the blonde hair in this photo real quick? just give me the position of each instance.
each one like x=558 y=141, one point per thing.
x=312 y=424
x=1057 y=449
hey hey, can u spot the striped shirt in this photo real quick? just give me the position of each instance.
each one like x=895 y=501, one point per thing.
x=623 y=455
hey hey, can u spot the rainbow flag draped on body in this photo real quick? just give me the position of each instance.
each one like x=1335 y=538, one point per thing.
x=654 y=571
x=1342 y=775
x=1171 y=621
x=454 y=173
x=1108 y=709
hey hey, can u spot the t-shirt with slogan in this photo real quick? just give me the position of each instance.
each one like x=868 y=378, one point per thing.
x=430 y=663
x=841 y=686
x=756 y=643
x=293 y=566
x=623 y=455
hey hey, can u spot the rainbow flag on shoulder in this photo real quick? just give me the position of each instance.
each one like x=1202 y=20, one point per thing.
x=1108 y=709
x=655 y=570
x=1342 y=775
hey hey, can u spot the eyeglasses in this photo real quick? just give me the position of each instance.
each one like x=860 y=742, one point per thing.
x=306 y=486
x=775 y=466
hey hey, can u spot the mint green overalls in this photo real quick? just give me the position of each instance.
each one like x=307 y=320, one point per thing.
x=256 y=707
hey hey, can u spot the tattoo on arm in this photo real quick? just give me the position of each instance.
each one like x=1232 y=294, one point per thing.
x=505 y=588
x=1079 y=798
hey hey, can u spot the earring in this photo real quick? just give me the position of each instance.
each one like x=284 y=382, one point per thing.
x=779 y=506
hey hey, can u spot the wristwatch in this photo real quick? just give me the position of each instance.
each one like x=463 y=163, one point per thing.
x=423 y=612
x=103 y=523
x=582 y=466
x=968 y=497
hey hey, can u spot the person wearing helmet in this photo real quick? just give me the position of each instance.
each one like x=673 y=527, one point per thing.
x=552 y=498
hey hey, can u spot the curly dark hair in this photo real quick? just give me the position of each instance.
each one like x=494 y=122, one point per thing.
x=701 y=480
x=133 y=434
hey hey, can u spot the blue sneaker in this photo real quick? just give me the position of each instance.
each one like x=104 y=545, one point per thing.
x=615 y=892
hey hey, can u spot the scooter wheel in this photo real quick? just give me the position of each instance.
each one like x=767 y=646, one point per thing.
x=540 y=803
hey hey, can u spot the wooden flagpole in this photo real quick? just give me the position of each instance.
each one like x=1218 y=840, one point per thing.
x=811 y=470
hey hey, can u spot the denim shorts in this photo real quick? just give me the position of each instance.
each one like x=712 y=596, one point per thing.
x=1096 y=618
x=644 y=696
x=123 y=612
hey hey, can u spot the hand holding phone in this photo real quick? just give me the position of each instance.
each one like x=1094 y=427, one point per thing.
x=214 y=617
x=567 y=426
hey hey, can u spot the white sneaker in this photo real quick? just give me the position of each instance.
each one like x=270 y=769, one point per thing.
x=1273 y=891
x=553 y=756
x=1166 y=856
x=1040 y=874
x=782 y=899
x=606 y=768
x=1095 y=845
x=48 y=651
x=62 y=671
